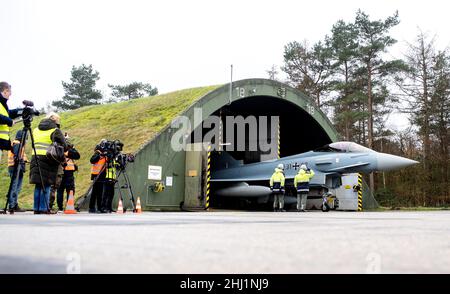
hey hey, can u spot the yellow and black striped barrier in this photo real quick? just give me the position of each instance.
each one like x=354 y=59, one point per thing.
x=208 y=177
x=220 y=132
x=360 y=192
x=279 y=139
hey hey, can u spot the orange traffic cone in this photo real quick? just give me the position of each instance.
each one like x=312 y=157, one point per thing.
x=120 y=208
x=138 y=205
x=70 y=206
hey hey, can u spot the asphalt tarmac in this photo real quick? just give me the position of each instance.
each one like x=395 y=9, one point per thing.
x=227 y=242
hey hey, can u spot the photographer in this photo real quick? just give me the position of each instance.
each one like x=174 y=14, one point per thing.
x=98 y=172
x=6 y=117
x=68 y=178
x=45 y=134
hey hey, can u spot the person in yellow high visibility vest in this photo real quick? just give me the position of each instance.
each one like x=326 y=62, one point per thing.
x=108 y=185
x=277 y=186
x=301 y=184
x=13 y=155
x=44 y=135
x=6 y=117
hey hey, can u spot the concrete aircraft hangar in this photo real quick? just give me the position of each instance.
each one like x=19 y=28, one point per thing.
x=167 y=179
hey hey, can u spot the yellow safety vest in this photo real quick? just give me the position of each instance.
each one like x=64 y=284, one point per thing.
x=4 y=129
x=111 y=171
x=303 y=177
x=42 y=140
x=277 y=177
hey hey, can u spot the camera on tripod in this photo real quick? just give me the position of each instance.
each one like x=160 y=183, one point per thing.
x=123 y=159
x=113 y=150
x=28 y=112
x=110 y=148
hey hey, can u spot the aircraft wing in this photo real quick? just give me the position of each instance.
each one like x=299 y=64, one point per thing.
x=239 y=179
x=248 y=179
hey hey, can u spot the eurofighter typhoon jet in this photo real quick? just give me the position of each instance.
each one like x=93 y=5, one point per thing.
x=231 y=178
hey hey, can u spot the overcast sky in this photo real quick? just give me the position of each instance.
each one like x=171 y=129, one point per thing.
x=177 y=44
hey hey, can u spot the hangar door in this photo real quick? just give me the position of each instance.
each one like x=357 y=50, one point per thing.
x=195 y=187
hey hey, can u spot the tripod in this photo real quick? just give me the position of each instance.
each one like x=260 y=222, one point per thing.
x=18 y=158
x=127 y=185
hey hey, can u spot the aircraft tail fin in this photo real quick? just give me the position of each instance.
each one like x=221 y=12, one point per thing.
x=223 y=160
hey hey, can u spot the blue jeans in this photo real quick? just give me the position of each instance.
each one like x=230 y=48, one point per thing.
x=41 y=198
x=15 y=189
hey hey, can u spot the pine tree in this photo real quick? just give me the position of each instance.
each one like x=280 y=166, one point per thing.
x=373 y=41
x=344 y=80
x=80 y=91
x=133 y=90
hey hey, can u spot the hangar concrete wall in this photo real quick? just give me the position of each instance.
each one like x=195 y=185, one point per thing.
x=158 y=152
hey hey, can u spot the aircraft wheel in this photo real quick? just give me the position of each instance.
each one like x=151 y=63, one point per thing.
x=325 y=208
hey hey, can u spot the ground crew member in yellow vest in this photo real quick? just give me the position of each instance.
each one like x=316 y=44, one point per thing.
x=45 y=134
x=6 y=117
x=277 y=187
x=98 y=172
x=68 y=179
x=108 y=186
x=301 y=184
x=17 y=182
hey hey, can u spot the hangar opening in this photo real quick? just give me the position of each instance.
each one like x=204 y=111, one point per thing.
x=299 y=132
x=293 y=131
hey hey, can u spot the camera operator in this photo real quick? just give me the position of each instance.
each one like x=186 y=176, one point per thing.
x=112 y=151
x=109 y=183
x=16 y=182
x=6 y=117
x=68 y=178
x=45 y=134
x=98 y=172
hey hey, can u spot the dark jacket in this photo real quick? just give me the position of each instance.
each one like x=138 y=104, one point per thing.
x=49 y=167
x=4 y=120
x=73 y=153
x=96 y=157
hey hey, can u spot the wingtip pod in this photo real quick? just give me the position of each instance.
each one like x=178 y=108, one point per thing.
x=387 y=162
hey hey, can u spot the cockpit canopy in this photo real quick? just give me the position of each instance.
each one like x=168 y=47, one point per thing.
x=344 y=147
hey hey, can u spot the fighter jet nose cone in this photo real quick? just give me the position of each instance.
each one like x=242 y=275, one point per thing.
x=388 y=162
